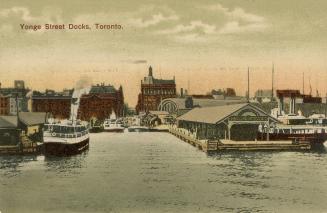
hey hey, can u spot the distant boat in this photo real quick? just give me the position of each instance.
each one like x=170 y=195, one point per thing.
x=96 y=126
x=113 y=124
x=65 y=138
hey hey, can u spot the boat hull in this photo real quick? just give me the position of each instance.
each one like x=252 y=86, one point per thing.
x=96 y=129
x=317 y=138
x=65 y=149
x=114 y=130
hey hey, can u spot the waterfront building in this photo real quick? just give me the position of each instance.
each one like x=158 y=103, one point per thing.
x=228 y=92
x=32 y=124
x=179 y=106
x=29 y=124
x=4 y=105
x=16 y=94
x=233 y=122
x=100 y=102
x=153 y=91
x=57 y=104
x=155 y=118
x=9 y=132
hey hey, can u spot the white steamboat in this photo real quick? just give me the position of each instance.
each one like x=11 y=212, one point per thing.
x=65 y=137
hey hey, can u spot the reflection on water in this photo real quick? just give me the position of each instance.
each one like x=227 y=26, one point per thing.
x=11 y=165
x=155 y=172
x=65 y=164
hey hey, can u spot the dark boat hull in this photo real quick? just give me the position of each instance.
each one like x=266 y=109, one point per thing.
x=113 y=130
x=158 y=130
x=96 y=129
x=63 y=149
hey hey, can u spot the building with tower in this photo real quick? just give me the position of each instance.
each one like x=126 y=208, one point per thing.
x=14 y=95
x=153 y=91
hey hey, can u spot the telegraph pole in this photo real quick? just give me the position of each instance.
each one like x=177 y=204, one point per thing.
x=272 y=82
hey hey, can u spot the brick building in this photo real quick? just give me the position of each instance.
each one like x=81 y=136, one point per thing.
x=16 y=94
x=58 y=104
x=100 y=102
x=4 y=105
x=153 y=91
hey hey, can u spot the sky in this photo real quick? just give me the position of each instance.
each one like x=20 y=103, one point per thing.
x=208 y=43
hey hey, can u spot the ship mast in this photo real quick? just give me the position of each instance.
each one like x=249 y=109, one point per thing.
x=310 y=85
x=188 y=83
x=303 y=83
x=248 y=93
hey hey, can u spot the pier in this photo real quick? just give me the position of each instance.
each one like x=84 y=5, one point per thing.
x=210 y=146
x=25 y=147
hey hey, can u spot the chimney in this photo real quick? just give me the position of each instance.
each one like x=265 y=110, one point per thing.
x=150 y=71
x=182 y=93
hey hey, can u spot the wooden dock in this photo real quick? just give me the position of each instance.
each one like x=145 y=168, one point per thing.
x=26 y=146
x=225 y=145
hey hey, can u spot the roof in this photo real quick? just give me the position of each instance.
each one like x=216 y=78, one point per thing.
x=8 y=121
x=210 y=115
x=51 y=94
x=213 y=115
x=162 y=81
x=180 y=102
x=21 y=92
x=102 y=89
x=152 y=80
x=32 y=118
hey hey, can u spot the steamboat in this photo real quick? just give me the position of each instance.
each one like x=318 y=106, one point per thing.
x=65 y=138
x=297 y=127
x=294 y=126
x=113 y=124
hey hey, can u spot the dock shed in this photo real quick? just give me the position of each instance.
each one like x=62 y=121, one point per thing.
x=32 y=124
x=234 y=122
x=9 y=133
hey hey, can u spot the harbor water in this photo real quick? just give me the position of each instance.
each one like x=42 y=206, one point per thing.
x=156 y=172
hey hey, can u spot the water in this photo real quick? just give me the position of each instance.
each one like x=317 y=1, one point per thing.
x=156 y=172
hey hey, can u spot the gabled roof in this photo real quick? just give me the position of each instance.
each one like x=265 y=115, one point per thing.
x=216 y=114
x=180 y=102
x=8 y=122
x=32 y=118
x=102 y=89
x=51 y=94
x=163 y=81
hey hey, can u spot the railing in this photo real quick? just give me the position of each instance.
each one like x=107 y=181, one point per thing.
x=66 y=135
x=183 y=131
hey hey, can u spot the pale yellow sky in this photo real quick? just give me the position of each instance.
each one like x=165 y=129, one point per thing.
x=210 y=43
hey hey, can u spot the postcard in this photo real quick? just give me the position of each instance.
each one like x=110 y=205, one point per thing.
x=163 y=106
